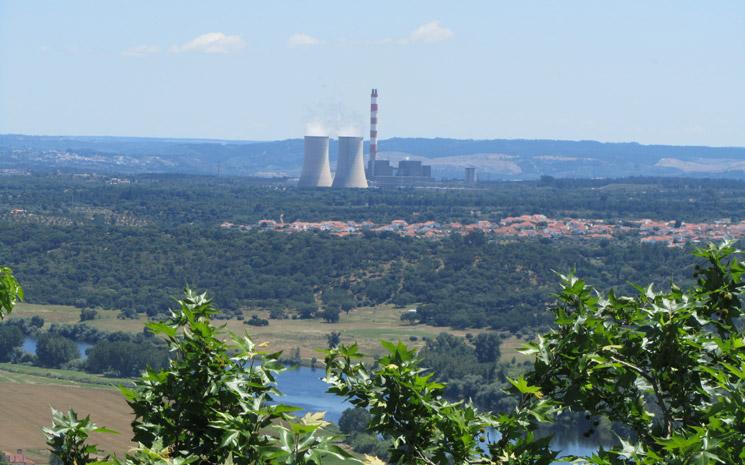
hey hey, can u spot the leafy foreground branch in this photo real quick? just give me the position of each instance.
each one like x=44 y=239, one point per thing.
x=10 y=291
x=668 y=368
x=212 y=405
x=407 y=406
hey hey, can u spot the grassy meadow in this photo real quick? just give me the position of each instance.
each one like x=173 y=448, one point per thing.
x=366 y=326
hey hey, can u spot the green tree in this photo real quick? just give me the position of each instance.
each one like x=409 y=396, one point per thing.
x=54 y=351
x=331 y=315
x=668 y=365
x=10 y=338
x=87 y=314
x=37 y=321
x=354 y=420
x=124 y=358
x=487 y=347
x=333 y=339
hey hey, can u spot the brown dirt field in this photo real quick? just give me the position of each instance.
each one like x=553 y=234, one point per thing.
x=25 y=409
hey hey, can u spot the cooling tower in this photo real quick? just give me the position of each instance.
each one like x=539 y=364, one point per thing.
x=350 y=167
x=316 y=171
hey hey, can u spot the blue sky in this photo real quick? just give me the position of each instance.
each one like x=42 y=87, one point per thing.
x=664 y=71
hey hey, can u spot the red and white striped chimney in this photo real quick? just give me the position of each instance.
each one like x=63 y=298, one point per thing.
x=373 y=131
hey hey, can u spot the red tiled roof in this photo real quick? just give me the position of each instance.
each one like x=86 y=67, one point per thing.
x=18 y=458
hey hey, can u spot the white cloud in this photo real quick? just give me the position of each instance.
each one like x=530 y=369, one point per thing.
x=141 y=50
x=302 y=40
x=427 y=33
x=212 y=42
x=430 y=33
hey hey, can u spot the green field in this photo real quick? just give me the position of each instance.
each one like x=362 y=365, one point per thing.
x=25 y=374
x=66 y=314
x=366 y=326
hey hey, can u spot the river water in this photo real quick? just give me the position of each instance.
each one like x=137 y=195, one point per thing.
x=303 y=387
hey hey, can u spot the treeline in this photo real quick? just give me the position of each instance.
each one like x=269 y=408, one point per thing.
x=115 y=354
x=170 y=201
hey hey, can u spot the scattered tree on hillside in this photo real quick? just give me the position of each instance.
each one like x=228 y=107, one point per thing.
x=487 y=347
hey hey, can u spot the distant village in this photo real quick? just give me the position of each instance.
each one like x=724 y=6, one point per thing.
x=671 y=233
x=19 y=458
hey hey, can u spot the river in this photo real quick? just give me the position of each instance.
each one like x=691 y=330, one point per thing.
x=303 y=387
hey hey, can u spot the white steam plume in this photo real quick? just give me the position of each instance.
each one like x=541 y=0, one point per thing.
x=333 y=120
x=316 y=128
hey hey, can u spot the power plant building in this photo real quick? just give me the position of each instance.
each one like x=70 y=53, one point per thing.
x=470 y=175
x=316 y=171
x=410 y=168
x=350 y=165
x=382 y=168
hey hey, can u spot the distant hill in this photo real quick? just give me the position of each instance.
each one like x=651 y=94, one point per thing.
x=494 y=159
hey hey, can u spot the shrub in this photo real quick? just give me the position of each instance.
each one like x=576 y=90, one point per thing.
x=331 y=315
x=256 y=321
x=87 y=314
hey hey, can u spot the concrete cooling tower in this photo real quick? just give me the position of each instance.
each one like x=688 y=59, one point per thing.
x=316 y=171
x=350 y=167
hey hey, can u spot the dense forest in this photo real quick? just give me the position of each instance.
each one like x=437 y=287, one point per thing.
x=90 y=242
x=460 y=281
x=173 y=200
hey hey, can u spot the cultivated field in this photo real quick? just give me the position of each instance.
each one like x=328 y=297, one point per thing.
x=25 y=402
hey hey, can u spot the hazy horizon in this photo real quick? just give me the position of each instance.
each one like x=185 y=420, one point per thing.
x=299 y=137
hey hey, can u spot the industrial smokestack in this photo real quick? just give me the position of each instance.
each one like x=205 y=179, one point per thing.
x=350 y=167
x=316 y=171
x=373 y=132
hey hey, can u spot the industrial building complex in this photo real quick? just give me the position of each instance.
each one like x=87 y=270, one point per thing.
x=351 y=170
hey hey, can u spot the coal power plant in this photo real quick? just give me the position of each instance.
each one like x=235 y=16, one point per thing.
x=316 y=171
x=350 y=165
